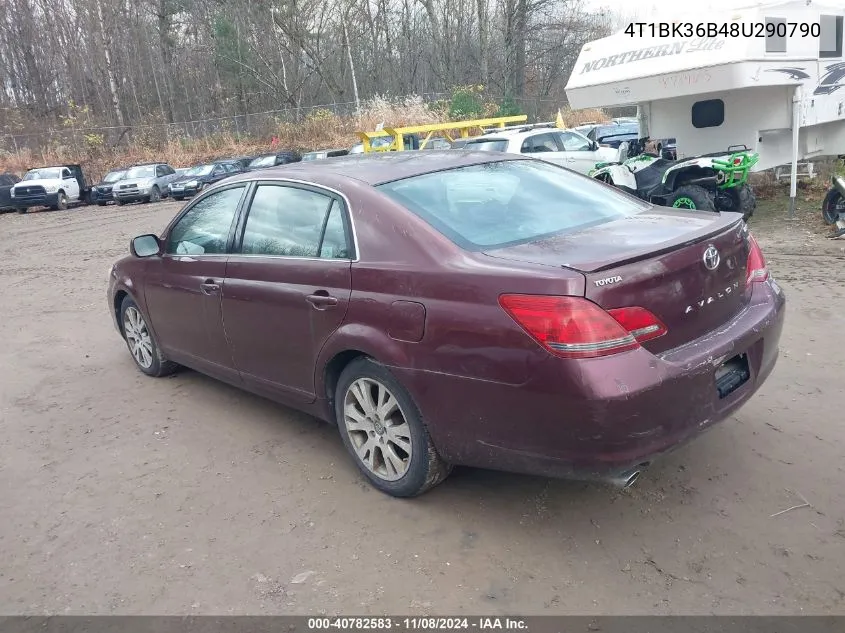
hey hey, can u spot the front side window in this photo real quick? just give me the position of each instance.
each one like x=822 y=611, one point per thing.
x=776 y=35
x=205 y=227
x=830 y=42
x=66 y=174
x=161 y=170
x=286 y=221
x=509 y=202
x=573 y=142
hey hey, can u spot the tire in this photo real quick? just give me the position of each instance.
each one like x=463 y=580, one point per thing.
x=742 y=200
x=179 y=198
x=61 y=204
x=147 y=356
x=118 y=202
x=101 y=204
x=23 y=210
x=832 y=205
x=423 y=467
x=691 y=197
x=155 y=194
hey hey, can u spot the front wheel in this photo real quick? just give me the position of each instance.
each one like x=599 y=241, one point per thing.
x=23 y=209
x=155 y=194
x=832 y=205
x=146 y=354
x=118 y=202
x=61 y=202
x=384 y=432
x=692 y=197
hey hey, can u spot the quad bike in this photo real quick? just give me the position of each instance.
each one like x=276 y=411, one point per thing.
x=710 y=182
x=833 y=205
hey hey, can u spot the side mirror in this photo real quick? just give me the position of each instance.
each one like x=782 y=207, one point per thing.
x=145 y=246
x=593 y=146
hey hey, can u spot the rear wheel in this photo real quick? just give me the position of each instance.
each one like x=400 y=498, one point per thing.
x=118 y=202
x=692 y=197
x=832 y=205
x=739 y=200
x=384 y=432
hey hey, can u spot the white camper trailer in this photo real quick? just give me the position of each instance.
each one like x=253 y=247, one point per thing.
x=785 y=66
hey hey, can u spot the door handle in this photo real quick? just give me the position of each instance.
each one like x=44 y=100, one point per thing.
x=210 y=287
x=321 y=301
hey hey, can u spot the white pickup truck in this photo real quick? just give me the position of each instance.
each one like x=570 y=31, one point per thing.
x=55 y=187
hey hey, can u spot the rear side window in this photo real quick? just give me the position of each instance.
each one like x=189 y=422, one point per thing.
x=509 y=202
x=290 y=222
x=710 y=113
x=484 y=145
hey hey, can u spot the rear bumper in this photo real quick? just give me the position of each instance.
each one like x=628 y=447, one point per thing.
x=624 y=411
x=43 y=200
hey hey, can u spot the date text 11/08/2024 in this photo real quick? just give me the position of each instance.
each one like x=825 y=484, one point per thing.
x=416 y=624
x=724 y=29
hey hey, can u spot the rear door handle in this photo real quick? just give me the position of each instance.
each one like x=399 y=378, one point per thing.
x=321 y=301
x=210 y=287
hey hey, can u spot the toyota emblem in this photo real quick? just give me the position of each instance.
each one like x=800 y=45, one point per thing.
x=711 y=258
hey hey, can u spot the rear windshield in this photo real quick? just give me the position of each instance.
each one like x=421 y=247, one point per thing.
x=485 y=145
x=509 y=202
x=617 y=130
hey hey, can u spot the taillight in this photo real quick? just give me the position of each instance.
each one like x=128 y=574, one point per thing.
x=755 y=268
x=572 y=327
x=641 y=323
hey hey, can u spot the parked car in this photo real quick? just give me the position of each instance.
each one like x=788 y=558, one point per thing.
x=192 y=181
x=101 y=193
x=443 y=308
x=566 y=148
x=56 y=187
x=323 y=154
x=147 y=183
x=7 y=181
x=272 y=160
x=613 y=134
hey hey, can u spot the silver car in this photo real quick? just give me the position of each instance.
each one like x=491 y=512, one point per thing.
x=146 y=183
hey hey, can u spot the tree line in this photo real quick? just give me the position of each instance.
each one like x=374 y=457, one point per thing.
x=129 y=62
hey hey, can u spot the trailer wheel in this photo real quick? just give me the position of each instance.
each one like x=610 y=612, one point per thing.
x=691 y=197
x=832 y=206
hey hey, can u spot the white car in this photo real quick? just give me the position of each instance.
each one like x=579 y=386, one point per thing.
x=54 y=187
x=567 y=148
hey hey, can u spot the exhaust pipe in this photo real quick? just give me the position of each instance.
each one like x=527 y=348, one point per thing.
x=628 y=478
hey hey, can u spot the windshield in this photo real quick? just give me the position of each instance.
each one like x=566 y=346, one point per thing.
x=144 y=171
x=199 y=170
x=114 y=176
x=486 y=145
x=504 y=203
x=264 y=161
x=43 y=174
x=617 y=130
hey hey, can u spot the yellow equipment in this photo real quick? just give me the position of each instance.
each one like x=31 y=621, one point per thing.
x=463 y=127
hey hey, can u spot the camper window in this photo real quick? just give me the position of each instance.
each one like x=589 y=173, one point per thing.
x=776 y=43
x=710 y=113
x=830 y=42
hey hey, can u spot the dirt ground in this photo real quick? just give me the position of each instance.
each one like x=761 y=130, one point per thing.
x=131 y=495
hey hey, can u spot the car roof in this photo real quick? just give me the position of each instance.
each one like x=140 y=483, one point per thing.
x=521 y=133
x=376 y=168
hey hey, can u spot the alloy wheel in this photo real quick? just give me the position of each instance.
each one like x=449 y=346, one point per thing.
x=683 y=203
x=377 y=428
x=138 y=337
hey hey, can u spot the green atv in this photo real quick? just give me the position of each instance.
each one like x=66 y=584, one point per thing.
x=710 y=182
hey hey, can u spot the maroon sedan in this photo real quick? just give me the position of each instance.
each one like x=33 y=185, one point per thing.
x=459 y=308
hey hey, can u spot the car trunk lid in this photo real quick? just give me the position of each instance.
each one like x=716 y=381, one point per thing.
x=656 y=260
